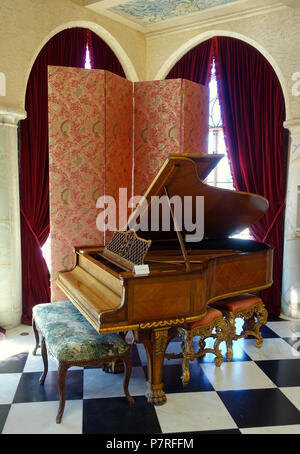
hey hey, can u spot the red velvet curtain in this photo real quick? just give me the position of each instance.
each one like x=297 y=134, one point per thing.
x=195 y=65
x=253 y=109
x=67 y=48
x=103 y=57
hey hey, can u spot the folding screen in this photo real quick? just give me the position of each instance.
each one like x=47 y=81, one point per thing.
x=171 y=116
x=118 y=140
x=90 y=147
x=107 y=133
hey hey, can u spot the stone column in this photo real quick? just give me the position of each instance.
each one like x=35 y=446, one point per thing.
x=10 y=241
x=290 y=304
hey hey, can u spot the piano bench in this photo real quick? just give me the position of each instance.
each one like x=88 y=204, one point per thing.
x=251 y=309
x=72 y=341
x=212 y=325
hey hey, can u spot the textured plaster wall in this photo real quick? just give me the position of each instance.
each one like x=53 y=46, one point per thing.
x=276 y=35
x=26 y=26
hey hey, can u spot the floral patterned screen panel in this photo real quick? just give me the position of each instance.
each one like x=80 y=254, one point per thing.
x=118 y=142
x=89 y=146
x=171 y=116
x=156 y=128
x=195 y=102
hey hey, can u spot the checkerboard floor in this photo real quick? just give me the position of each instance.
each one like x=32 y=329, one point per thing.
x=257 y=393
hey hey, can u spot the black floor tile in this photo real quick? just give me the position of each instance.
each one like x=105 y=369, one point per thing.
x=274 y=318
x=283 y=372
x=29 y=389
x=267 y=333
x=13 y=364
x=260 y=407
x=172 y=379
x=116 y=416
x=135 y=357
x=4 y=410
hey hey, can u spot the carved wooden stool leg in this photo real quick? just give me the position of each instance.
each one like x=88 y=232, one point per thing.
x=62 y=372
x=128 y=367
x=37 y=337
x=230 y=335
x=222 y=332
x=45 y=361
x=262 y=317
x=188 y=355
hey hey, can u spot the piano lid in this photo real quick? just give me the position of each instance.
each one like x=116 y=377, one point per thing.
x=226 y=212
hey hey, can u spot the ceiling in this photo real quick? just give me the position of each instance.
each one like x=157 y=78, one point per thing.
x=157 y=15
x=155 y=11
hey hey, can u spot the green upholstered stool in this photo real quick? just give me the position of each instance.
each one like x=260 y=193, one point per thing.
x=72 y=341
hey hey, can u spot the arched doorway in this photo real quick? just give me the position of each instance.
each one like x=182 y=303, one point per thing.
x=253 y=112
x=67 y=48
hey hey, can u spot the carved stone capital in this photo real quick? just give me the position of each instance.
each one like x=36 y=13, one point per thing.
x=11 y=116
x=293 y=126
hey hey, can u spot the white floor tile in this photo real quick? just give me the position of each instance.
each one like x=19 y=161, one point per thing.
x=285 y=329
x=193 y=412
x=293 y=394
x=15 y=343
x=8 y=387
x=35 y=364
x=40 y=418
x=270 y=349
x=273 y=430
x=98 y=384
x=236 y=375
x=12 y=334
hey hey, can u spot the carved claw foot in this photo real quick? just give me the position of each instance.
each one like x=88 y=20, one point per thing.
x=156 y=396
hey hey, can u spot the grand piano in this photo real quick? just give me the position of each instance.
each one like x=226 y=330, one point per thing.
x=182 y=277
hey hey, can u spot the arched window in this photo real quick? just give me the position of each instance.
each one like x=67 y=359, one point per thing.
x=221 y=175
x=88 y=61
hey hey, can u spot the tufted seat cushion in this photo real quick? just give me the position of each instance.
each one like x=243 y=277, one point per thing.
x=70 y=336
x=211 y=315
x=237 y=303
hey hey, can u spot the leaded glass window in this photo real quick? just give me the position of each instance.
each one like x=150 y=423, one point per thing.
x=221 y=176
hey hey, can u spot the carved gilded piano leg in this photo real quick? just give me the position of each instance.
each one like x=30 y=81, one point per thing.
x=155 y=343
